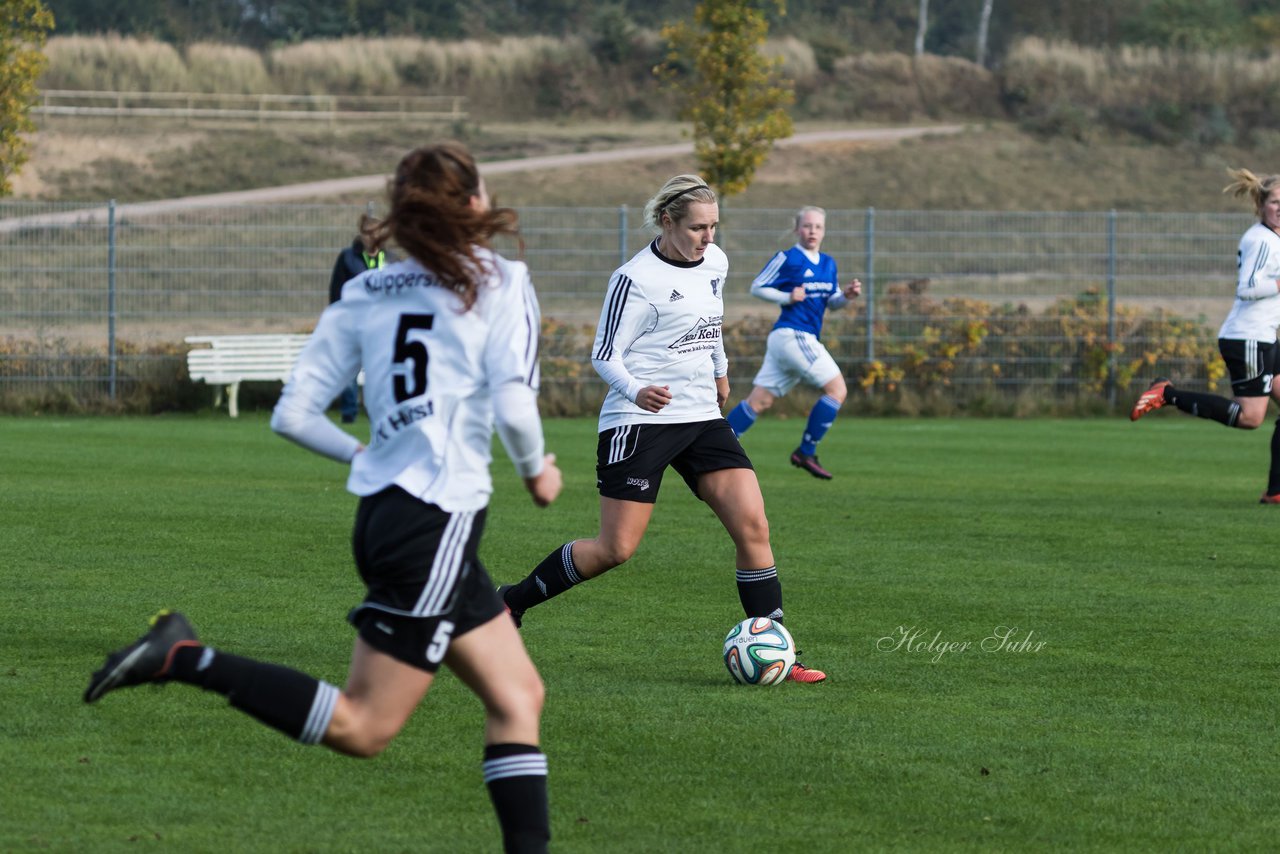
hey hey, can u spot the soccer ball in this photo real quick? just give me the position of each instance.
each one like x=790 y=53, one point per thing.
x=759 y=651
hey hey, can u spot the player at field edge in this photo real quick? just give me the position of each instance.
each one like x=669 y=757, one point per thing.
x=1247 y=338
x=804 y=282
x=659 y=348
x=448 y=340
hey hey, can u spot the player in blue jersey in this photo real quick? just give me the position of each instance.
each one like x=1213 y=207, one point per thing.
x=804 y=282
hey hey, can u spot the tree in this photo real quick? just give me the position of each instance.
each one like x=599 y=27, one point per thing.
x=24 y=26
x=728 y=89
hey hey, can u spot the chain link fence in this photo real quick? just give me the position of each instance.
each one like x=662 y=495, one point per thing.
x=97 y=299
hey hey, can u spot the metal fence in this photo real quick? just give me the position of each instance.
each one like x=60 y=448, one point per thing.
x=95 y=297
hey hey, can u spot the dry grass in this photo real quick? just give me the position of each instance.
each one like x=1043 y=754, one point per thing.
x=115 y=63
x=229 y=69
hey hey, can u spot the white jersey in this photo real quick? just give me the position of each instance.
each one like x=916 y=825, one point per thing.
x=1256 y=312
x=435 y=378
x=660 y=325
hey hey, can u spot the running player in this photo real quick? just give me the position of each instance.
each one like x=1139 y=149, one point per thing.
x=658 y=346
x=804 y=282
x=448 y=343
x=1247 y=338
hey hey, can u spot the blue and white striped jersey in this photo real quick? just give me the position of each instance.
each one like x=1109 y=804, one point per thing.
x=792 y=268
x=436 y=381
x=1255 y=314
x=660 y=325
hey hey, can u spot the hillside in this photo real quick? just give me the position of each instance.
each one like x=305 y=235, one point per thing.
x=992 y=166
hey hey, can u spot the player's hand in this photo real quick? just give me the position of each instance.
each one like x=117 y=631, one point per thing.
x=798 y=294
x=722 y=392
x=853 y=289
x=545 y=486
x=652 y=398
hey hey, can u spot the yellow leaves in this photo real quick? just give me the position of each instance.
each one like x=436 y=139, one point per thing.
x=27 y=25
x=727 y=89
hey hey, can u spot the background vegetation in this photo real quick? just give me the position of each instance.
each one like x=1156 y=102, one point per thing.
x=840 y=26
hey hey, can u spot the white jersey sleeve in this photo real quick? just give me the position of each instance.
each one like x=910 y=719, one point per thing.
x=511 y=365
x=328 y=363
x=1259 y=265
x=627 y=314
x=1255 y=313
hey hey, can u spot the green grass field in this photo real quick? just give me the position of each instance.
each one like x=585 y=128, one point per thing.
x=1135 y=554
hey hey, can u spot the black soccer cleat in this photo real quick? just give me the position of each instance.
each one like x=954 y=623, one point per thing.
x=145 y=660
x=809 y=462
x=517 y=616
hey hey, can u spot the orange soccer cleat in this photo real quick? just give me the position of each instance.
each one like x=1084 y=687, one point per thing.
x=1151 y=399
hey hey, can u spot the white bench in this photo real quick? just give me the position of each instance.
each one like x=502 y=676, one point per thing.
x=224 y=361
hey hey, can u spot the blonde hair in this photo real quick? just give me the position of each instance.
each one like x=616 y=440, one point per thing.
x=1245 y=182
x=674 y=199
x=804 y=210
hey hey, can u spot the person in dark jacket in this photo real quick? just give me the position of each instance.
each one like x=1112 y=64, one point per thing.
x=351 y=262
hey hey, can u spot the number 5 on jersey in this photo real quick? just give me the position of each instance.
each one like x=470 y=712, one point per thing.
x=413 y=382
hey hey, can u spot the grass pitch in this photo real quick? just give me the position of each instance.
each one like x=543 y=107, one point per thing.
x=1039 y=634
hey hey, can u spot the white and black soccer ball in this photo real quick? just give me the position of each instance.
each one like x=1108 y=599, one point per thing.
x=759 y=651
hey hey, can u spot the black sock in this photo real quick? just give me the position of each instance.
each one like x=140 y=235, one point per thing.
x=553 y=576
x=1204 y=405
x=1273 y=479
x=760 y=592
x=298 y=705
x=516 y=775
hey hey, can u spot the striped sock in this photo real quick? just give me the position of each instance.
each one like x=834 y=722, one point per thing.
x=760 y=592
x=516 y=775
x=549 y=579
x=821 y=417
x=741 y=417
x=298 y=705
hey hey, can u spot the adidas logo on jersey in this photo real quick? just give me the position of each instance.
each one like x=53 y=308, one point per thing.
x=808 y=274
x=675 y=295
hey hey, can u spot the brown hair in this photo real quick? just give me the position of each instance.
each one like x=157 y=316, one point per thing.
x=431 y=217
x=1245 y=182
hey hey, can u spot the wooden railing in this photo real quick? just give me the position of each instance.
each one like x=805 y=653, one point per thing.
x=262 y=108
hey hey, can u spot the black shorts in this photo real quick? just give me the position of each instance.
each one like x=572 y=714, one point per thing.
x=1252 y=365
x=630 y=459
x=424 y=583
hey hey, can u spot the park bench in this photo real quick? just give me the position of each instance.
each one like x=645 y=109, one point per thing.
x=224 y=361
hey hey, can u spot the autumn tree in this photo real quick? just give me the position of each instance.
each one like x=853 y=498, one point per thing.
x=24 y=25
x=730 y=91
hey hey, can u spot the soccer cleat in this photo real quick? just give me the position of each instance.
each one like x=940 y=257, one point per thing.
x=516 y=616
x=145 y=660
x=809 y=462
x=1152 y=398
x=800 y=673
x=1269 y=499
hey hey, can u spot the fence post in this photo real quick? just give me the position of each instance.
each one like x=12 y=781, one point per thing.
x=111 y=298
x=1111 y=308
x=622 y=235
x=871 y=284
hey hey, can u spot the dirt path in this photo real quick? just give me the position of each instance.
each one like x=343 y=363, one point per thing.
x=375 y=183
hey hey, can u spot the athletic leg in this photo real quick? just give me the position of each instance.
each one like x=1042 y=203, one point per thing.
x=734 y=496
x=823 y=414
x=492 y=661
x=622 y=526
x=742 y=416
